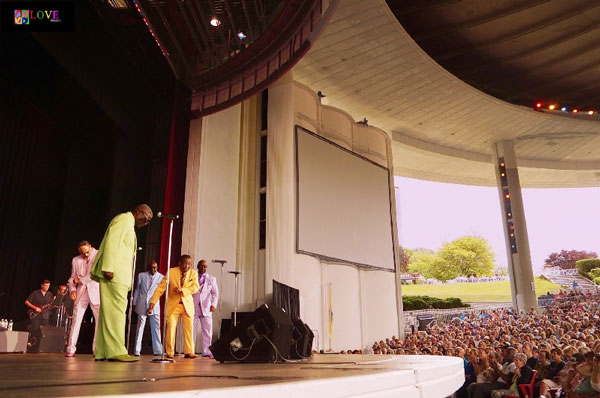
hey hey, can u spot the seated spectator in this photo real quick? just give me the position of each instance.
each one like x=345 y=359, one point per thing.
x=552 y=379
x=503 y=374
x=595 y=379
x=523 y=375
x=542 y=366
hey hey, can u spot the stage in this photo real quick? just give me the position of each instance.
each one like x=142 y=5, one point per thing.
x=53 y=375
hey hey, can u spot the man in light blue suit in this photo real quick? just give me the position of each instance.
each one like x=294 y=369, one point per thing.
x=147 y=284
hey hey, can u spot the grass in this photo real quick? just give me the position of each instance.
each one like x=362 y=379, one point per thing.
x=479 y=292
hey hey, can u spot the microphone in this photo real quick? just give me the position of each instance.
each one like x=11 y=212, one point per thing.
x=219 y=261
x=236 y=273
x=160 y=214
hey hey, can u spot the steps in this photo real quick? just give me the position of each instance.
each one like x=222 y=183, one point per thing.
x=566 y=281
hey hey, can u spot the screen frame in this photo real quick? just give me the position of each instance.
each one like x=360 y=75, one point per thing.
x=297 y=129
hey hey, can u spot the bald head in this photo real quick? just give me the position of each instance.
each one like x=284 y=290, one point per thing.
x=142 y=214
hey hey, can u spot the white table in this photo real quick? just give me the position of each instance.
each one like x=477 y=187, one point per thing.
x=13 y=341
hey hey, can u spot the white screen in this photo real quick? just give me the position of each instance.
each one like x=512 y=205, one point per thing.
x=343 y=204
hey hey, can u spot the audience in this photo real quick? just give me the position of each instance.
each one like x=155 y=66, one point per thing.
x=502 y=348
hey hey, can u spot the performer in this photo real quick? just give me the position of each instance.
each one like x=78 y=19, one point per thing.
x=113 y=268
x=205 y=303
x=183 y=283
x=146 y=286
x=64 y=307
x=84 y=292
x=39 y=303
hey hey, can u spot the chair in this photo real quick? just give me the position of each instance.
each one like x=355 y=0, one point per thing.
x=526 y=389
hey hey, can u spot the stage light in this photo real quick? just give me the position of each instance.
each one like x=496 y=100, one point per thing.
x=552 y=107
x=564 y=109
x=538 y=105
x=214 y=21
x=575 y=111
x=590 y=112
x=241 y=35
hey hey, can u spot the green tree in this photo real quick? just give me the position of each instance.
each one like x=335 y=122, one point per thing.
x=421 y=261
x=465 y=256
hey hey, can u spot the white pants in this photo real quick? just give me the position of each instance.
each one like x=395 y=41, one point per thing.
x=154 y=331
x=205 y=323
x=78 y=311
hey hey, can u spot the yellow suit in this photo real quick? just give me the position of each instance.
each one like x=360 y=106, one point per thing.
x=179 y=304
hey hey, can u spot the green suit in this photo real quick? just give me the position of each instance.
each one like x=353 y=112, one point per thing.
x=115 y=255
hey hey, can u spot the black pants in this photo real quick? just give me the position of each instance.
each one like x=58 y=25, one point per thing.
x=35 y=333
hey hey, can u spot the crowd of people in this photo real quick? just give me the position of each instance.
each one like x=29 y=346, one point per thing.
x=502 y=348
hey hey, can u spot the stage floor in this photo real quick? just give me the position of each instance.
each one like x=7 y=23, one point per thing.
x=53 y=375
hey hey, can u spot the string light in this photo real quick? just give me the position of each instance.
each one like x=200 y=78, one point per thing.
x=539 y=106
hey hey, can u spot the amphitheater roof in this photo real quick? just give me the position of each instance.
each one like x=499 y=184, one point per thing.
x=442 y=128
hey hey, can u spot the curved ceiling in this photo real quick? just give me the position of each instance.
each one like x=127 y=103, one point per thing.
x=227 y=50
x=519 y=51
x=442 y=128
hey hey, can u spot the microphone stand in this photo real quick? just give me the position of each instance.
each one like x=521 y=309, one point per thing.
x=222 y=262
x=131 y=298
x=235 y=298
x=162 y=358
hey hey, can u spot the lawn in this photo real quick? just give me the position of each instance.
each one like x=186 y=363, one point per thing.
x=476 y=292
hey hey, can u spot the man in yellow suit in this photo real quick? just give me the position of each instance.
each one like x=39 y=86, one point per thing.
x=183 y=283
x=113 y=268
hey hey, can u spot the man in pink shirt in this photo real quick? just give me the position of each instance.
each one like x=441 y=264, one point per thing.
x=84 y=292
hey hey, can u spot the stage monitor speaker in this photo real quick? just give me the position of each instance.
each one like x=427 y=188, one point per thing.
x=265 y=336
x=53 y=339
x=302 y=340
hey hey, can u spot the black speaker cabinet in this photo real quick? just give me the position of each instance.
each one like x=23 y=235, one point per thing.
x=302 y=340
x=265 y=336
x=52 y=339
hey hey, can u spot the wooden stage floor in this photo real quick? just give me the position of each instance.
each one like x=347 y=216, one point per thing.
x=53 y=375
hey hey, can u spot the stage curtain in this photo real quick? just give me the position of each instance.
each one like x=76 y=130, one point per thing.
x=280 y=242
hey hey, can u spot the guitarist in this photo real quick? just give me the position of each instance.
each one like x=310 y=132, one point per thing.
x=39 y=303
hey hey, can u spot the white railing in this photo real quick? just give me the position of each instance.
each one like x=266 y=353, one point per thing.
x=557 y=271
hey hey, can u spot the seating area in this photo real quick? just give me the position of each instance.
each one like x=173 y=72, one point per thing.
x=560 y=343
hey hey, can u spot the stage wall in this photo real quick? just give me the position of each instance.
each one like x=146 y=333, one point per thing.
x=221 y=212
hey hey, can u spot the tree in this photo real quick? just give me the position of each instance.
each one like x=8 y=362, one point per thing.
x=404 y=259
x=421 y=261
x=465 y=256
x=566 y=259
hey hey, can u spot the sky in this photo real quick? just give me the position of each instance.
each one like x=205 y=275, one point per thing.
x=432 y=213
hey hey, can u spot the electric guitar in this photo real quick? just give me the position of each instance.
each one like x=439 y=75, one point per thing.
x=45 y=308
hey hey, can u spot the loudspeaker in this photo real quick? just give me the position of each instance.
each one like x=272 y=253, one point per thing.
x=227 y=323
x=302 y=340
x=265 y=336
x=52 y=339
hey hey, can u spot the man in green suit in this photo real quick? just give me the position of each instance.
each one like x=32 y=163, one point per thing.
x=113 y=269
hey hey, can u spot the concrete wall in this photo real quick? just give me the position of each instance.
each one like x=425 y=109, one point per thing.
x=221 y=208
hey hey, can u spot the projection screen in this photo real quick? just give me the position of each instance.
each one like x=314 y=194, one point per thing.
x=343 y=204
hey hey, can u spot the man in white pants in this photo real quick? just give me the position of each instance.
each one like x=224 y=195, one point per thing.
x=84 y=292
x=205 y=303
x=146 y=285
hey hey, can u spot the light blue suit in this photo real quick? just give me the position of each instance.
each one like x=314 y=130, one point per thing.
x=146 y=286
